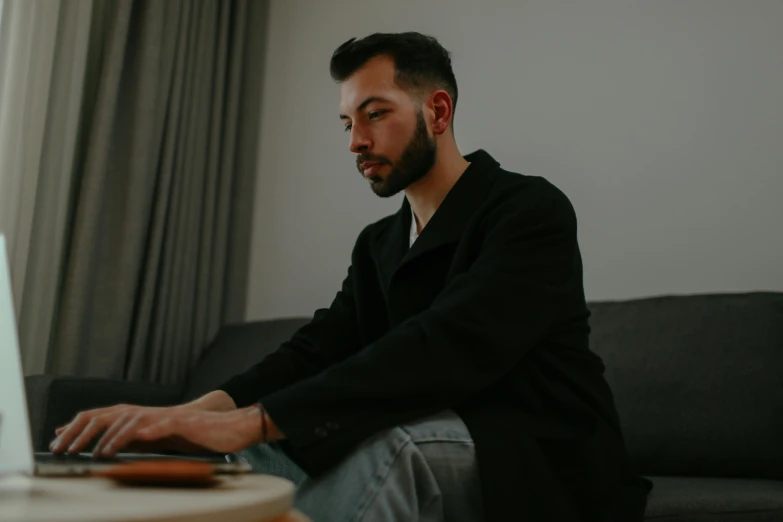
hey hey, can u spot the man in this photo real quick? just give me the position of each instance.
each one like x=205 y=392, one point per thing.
x=451 y=378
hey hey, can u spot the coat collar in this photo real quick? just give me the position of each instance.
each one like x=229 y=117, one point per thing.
x=449 y=221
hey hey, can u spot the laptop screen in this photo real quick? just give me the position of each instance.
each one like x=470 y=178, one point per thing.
x=16 y=449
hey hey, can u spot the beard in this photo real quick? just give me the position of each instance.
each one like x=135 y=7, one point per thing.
x=416 y=161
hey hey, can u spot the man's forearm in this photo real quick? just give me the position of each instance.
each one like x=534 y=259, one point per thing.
x=217 y=400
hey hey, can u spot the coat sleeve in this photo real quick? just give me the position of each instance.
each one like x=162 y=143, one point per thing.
x=331 y=336
x=475 y=331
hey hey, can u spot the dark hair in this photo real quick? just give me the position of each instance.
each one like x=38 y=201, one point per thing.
x=419 y=60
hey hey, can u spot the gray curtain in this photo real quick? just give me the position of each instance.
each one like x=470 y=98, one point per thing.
x=157 y=243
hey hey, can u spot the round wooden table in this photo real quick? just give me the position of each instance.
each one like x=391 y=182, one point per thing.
x=238 y=498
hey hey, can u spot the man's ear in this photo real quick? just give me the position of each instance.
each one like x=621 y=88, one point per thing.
x=443 y=111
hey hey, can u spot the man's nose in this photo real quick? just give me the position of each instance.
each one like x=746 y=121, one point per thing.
x=360 y=141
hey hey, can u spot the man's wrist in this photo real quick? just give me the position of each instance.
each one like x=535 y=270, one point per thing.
x=257 y=421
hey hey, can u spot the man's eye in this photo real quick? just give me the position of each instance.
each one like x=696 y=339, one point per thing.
x=372 y=115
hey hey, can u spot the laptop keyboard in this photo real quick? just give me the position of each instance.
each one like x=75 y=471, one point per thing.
x=78 y=458
x=82 y=458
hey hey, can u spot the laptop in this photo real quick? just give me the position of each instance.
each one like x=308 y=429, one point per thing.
x=16 y=446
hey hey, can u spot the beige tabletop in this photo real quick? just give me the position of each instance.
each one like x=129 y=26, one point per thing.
x=238 y=498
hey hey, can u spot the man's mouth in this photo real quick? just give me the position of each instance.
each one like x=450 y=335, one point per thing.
x=369 y=169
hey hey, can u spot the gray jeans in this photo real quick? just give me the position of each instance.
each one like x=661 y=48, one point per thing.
x=424 y=471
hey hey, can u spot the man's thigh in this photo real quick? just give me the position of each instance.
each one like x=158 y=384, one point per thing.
x=382 y=480
x=271 y=460
x=447 y=446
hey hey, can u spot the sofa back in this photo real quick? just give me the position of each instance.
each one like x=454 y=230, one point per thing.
x=698 y=381
x=235 y=349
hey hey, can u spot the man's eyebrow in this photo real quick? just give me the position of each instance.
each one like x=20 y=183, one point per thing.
x=365 y=103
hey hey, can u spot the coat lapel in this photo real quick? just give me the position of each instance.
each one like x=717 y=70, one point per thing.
x=447 y=224
x=392 y=245
x=455 y=212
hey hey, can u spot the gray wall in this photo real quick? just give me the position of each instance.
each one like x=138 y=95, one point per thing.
x=661 y=120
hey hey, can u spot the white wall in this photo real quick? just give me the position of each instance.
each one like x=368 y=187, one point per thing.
x=661 y=120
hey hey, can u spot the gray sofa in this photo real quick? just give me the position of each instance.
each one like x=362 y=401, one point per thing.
x=697 y=381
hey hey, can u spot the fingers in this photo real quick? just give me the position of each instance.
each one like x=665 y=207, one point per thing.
x=110 y=443
x=73 y=429
x=93 y=428
x=119 y=423
x=152 y=427
x=67 y=433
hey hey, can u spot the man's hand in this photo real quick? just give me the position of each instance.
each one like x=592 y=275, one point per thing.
x=172 y=428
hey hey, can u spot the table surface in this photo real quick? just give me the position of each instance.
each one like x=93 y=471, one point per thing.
x=238 y=498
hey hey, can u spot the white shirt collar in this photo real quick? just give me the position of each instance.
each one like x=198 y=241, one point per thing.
x=414 y=229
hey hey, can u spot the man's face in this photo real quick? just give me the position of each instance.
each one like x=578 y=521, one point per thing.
x=388 y=131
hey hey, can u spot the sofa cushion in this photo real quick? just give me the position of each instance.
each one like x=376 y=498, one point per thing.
x=697 y=381
x=235 y=349
x=681 y=499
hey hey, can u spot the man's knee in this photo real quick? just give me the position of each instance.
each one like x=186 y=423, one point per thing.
x=445 y=426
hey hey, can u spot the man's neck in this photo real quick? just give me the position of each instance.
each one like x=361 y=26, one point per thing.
x=426 y=195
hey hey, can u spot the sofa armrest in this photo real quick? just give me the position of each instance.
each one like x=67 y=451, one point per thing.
x=54 y=400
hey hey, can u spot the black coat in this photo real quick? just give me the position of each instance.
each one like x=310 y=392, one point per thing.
x=485 y=314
